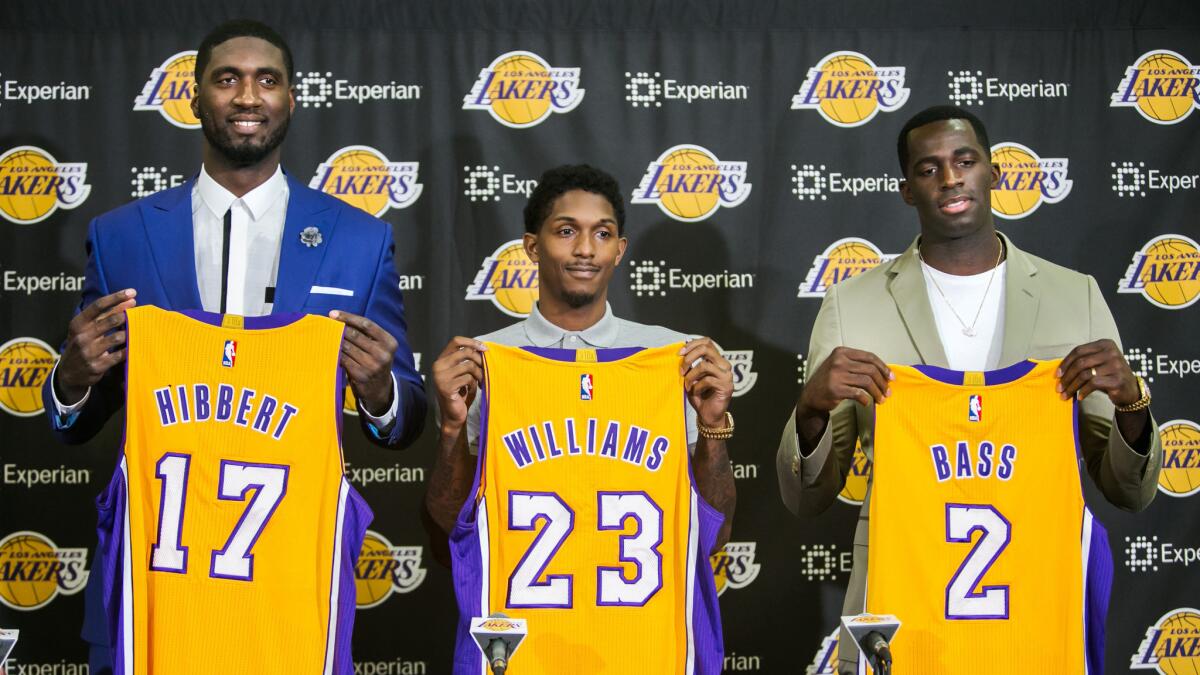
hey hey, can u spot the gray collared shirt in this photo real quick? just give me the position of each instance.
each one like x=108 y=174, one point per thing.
x=606 y=333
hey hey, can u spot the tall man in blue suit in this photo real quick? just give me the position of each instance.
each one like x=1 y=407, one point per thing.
x=241 y=238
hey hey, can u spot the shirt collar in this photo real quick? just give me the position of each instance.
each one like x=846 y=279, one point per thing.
x=258 y=201
x=542 y=333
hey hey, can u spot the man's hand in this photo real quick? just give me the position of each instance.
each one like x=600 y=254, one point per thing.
x=367 y=353
x=708 y=381
x=847 y=374
x=457 y=373
x=90 y=337
x=1098 y=366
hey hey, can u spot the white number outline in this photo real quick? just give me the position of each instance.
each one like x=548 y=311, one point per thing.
x=269 y=490
x=960 y=591
x=631 y=546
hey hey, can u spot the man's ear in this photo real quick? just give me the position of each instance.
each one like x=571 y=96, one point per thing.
x=530 y=242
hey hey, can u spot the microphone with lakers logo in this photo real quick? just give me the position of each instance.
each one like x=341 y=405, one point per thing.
x=498 y=638
x=872 y=633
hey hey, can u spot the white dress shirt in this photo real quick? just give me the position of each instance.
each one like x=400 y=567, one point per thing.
x=256 y=232
x=966 y=294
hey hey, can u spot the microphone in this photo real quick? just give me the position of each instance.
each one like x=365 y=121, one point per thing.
x=498 y=637
x=872 y=632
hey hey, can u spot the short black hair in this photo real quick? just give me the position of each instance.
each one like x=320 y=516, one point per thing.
x=939 y=113
x=561 y=179
x=241 y=28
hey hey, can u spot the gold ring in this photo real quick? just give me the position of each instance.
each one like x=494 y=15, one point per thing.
x=1093 y=372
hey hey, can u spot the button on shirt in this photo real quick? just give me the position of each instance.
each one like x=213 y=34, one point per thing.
x=256 y=231
x=609 y=332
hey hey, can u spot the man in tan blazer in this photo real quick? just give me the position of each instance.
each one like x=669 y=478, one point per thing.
x=962 y=296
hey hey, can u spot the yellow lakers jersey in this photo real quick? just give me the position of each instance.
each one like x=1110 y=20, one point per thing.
x=229 y=531
x=585 y=521
x=980 y=541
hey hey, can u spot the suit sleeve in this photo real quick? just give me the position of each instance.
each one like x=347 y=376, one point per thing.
x=106 y=396
x=385 y=306
x=1128 y=479
x=809 y=484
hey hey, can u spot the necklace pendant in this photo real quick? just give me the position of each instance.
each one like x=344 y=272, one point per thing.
x=969 y=331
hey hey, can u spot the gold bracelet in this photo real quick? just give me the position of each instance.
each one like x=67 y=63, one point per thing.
x=1140 y=404
x=717 y=433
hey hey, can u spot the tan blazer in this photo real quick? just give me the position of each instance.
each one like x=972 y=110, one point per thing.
x=1048 y=310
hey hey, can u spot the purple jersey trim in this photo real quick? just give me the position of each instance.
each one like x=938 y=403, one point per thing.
x=1097 y=590
x=708 y=641
x=248 y=322
x=568 y=355
x=990 y=377
x=466 y=560
x=357 y=518
x=110 y=529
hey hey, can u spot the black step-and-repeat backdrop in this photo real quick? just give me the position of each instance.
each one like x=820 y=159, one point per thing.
x=755 y=145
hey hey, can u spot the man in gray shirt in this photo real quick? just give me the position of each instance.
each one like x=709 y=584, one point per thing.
x=574 y=233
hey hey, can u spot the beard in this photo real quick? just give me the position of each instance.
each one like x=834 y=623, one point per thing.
x=241 y=152
x=577 y=300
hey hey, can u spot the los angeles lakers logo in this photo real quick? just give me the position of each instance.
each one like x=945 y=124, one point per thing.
x=509 y=279
x=1026 y=181
x=25 y=363
x=361 y=176
x=520 y=89
x=843 y=259
x=1180 y=475
x=1161 y=85
x=689 y=183
x=33 y=570
x=383 y=569
x=169 y=90
x=855 y=489
x=1170 y=644
x=848 y=89
x=33 y=185
x=826 y=660
x=1166 y=272
x=734 y=566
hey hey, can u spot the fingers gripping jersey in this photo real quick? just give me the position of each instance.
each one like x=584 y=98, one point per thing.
x=585 y=521
x=228 y=533
x=980 y=541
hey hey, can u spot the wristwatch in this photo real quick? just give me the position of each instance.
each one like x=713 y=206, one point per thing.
x=1141 y=403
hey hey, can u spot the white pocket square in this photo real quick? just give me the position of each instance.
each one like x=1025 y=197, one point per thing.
x=332 y=290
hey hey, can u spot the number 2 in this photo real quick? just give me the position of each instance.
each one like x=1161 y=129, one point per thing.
x=525 y=509
x=237 y=479
x=962 y=601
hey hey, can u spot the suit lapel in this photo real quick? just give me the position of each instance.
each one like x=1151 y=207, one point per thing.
x=298 y=263
x=168 y=224
x=907 y=286
x=1021 y=299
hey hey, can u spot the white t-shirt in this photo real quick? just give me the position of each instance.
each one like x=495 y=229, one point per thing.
x=965 y=293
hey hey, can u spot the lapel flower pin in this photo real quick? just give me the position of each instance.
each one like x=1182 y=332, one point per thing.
x=310 y=236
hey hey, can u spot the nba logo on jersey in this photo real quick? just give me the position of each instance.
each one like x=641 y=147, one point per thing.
x=230 y=354
x=585 y=387
x=975 y=408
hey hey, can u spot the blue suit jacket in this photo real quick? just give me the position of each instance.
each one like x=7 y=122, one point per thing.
x=147 y=245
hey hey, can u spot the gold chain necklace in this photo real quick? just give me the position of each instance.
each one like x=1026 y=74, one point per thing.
x=969 y=331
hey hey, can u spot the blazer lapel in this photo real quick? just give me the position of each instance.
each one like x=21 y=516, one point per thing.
x=168 y=224
x=1021 y=298
x=907 y=286
x=298 y=263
